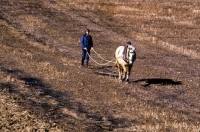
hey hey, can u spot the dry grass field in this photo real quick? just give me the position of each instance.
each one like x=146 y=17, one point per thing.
x=43 y=87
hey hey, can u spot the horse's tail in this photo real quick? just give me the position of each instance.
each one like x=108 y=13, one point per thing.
x=115 y=63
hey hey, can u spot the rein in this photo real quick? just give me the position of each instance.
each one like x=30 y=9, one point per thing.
x=101 y=58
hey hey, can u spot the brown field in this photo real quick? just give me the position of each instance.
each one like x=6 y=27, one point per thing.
x=44 y=88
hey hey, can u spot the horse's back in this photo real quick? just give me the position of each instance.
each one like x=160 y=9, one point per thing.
x=119 y=55
x=119 y=51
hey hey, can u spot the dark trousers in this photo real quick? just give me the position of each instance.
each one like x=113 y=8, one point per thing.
x=85 y=56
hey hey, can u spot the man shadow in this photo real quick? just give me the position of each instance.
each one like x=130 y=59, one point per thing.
x=160 y=81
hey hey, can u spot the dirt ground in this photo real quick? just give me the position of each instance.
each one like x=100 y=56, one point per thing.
x=43 y=86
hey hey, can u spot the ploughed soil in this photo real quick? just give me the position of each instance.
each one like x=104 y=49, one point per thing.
x=43 y=86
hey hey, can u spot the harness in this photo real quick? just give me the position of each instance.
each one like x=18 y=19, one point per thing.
x=126 y=53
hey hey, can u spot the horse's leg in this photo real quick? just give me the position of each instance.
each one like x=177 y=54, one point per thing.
x=128 y=73
x=124 y=71
x=119 y=71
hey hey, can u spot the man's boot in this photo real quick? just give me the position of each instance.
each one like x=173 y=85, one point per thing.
x=86 y=63
x=82 y=62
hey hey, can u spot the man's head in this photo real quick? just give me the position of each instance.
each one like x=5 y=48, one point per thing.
x=87 y=31
x=128 y=43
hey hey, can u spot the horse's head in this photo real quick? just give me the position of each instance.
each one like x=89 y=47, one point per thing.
x=131 y=53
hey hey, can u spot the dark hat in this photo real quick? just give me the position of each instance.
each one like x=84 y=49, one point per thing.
x=129 y=43
x=87 y=30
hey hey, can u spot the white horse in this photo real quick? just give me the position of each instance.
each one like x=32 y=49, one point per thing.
x=124 y=66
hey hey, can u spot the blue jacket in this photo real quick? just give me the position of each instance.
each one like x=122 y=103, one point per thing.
x=86 y=42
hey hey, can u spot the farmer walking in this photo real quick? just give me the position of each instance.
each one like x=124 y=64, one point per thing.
x=86 y=45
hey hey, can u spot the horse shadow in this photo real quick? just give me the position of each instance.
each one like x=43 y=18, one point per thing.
x=105 y=71
x=160 y=81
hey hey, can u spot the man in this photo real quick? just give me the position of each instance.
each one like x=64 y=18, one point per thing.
x=86 y=45
x=125 y=50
